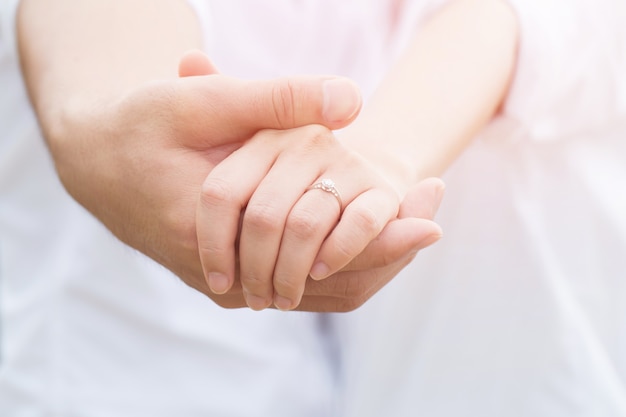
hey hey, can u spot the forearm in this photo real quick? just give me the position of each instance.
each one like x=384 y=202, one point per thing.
x=77 y=54
x=447 y=85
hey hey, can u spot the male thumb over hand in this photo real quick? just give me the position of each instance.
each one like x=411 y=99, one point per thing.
x=246 y=106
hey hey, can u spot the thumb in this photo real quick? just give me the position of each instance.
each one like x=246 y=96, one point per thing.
x=232 y=109
x=423 y=200
x=296 y=101
x=412 y=231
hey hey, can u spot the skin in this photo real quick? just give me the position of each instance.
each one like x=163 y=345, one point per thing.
x=283 y=227
x=134 y=137
x=427 y=109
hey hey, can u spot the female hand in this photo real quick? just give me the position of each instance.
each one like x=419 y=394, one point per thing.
x=285 y=223
x=372 y=269
x=384 y=257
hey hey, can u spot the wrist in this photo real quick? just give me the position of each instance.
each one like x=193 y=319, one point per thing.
x=397 y=168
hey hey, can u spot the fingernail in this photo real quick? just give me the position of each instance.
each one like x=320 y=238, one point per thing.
x=342 y=99
x=319 y=271
x=429 y=240
x=218 y=283
x=255 y=302
x=282 y=303
x=440 y=192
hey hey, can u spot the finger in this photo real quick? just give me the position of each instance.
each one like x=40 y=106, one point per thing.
x=309 y=223
x=383 y=258
x=263 y=227
x=274 y=200
x=305 y=231
x=399 y=238
x=410 y=234
x=217 y=217
x=224 y=194
x=348 y=290
x=195 y=63
x=216 y=110
x=362 y=220
x=423 y=200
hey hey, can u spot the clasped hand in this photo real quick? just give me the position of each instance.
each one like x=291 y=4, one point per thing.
x=257 y=221
x=139 y=164
x=287 y=233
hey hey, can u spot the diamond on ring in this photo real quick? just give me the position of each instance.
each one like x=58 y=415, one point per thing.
x=327 y=185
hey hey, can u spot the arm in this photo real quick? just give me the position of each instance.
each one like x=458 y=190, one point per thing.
x=79 y=55
x=448 y=84
x=131 y=141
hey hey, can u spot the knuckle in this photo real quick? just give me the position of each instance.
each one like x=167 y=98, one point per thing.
x=318 y=136
x=211 y=251
x=354 y=290
x=287 y=285
x=261 y=217
x=283 y=102
x=318 y=131
x=366 y=221
x=255 y=283
x=388 y=259
x=304 y=224
x=350 y=302
x=344 y=248
x=215 y=191
x=366 y=227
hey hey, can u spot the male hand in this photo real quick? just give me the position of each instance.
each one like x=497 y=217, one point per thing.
x=138 y=163
x=148 y=154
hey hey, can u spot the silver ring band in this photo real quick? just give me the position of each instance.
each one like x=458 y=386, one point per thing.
x=327 y=185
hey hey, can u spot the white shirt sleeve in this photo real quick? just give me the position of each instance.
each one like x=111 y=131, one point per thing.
x=8 y=40
x=571 y=72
